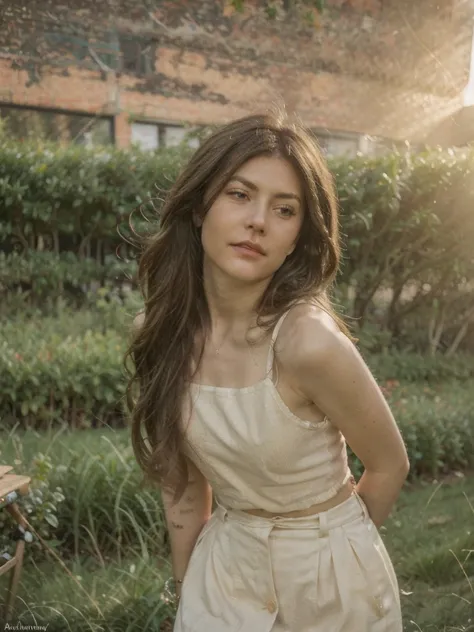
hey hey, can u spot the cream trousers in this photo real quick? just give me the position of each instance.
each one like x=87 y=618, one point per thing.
x=329 y=572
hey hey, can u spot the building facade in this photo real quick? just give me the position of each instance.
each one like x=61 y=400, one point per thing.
x=363 y=74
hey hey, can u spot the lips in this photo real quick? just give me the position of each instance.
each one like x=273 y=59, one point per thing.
x=251 y=246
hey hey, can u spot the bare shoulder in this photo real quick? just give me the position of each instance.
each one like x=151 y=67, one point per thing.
x=310 y=335
x=138 y=321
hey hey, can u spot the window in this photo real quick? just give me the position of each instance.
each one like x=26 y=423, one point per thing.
x=138 y=55
x=336 y=144
x=150 y=136
x=173 y=136
x=342 y=146
x=83 y=48
x=60 y=127
x=145 y=135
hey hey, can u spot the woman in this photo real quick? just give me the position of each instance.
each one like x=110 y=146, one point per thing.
x=249 y=389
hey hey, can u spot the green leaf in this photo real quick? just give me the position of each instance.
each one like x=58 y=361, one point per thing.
x=51 y=519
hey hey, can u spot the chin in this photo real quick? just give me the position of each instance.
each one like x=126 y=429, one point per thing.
x=248 y=275
x=242 y=271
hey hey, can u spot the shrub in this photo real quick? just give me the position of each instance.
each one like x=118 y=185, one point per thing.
x=72 y=198
x=79 y=380
x=42 y=278
x=406 y=221
x=74 y=374
x=40 y=507
x=90 y=499
x=416 y=367
x=409 y=231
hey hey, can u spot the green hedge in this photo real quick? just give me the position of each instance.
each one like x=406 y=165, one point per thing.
x=39 y=283
x=61 y=378
x=46 y=271
x=77 y=378
x=415 y=367
x=74 y=198
x=407 y=225
x=46 y=275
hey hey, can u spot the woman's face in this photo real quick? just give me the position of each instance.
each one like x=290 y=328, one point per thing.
x=262 y=204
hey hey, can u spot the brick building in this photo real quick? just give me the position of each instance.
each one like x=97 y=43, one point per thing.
x=361 y=74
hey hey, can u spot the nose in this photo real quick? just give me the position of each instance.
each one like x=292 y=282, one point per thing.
x=256 y=218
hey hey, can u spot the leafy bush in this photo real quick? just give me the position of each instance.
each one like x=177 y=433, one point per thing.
x=406 y=218
x=104 y=524
x=73 y=198
x=74 y=371
x=45 y=273
x=409 y=230
x=45 y=280
x=40 y=507
x=74 y=374
x=416 y=367
x=96 y=501
x=437 y=425
x=79 y=379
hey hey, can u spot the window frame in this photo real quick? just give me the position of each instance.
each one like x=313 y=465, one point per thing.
x=68 y=113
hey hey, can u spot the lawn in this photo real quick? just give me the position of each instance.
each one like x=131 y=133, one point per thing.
x=430 y=537
x=111 y=579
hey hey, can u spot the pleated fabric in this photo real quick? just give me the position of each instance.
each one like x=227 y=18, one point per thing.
x=329 y=572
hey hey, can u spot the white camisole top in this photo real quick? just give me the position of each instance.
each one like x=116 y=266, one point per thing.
x=256 y=453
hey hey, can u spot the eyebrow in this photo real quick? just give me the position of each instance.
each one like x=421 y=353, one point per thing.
x=254 y=187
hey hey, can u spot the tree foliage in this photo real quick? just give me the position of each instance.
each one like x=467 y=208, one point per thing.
x=407 y=223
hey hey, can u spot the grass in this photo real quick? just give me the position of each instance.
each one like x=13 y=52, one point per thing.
x=125 y=596
x=114 y=558
x=430 y=537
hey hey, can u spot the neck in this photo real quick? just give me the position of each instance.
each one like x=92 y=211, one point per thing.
x=232 y=304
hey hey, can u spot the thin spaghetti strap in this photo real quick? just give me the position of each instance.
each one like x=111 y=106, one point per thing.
x=271 y=353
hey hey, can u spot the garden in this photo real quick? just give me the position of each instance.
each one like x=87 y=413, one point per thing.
x=68 y=247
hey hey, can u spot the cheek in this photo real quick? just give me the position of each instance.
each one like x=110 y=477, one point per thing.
x=208 y=240
x=288 y=236
x=214 y=230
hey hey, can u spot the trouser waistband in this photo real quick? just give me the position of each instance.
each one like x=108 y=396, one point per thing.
x=350 y=509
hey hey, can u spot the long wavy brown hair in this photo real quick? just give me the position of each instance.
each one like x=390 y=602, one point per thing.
x=176 y=312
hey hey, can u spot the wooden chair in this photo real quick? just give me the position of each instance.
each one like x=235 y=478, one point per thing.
x=11 y=486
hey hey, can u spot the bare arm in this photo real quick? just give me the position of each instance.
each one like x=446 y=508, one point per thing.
x=186 y=518
x=331 y=372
